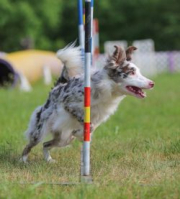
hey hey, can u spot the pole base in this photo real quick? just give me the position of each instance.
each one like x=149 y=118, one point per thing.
x=86 y=179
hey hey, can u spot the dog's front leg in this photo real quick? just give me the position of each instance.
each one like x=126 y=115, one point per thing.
x=76 y=112
x=79 y=115
x=79 y=134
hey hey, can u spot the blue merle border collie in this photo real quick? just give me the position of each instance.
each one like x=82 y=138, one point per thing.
x=62 y=115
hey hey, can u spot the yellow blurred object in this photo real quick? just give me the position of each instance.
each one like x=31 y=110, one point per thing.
x=30 y=63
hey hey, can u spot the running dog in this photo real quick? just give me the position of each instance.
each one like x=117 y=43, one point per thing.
x=63 y=113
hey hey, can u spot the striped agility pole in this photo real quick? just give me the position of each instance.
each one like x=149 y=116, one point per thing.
x=81 y=43
x=87 y=90
x=81 y=25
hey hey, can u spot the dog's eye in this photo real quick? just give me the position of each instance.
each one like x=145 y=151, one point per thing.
x=120 y=73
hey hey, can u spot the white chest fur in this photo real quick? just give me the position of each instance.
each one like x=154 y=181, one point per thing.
x=102 y=111
x=107 y=103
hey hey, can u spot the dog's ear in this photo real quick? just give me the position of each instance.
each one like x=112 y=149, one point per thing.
x=117 y=58
x=129 y=52
x=119 y=55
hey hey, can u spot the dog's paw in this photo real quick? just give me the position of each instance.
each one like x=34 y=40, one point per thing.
x=23 y=160
x=51 y=161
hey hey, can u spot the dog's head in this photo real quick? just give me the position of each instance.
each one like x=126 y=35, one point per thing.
x=126 y=74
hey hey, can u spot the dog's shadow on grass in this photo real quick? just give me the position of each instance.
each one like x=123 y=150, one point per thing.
x=8 y=154
x=10 y=157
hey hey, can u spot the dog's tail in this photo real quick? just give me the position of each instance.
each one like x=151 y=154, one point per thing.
x=72 y=58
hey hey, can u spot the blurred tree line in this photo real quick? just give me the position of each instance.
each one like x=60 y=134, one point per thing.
x=51 y=24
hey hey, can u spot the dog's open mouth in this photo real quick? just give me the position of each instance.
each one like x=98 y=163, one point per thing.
x=138 y=92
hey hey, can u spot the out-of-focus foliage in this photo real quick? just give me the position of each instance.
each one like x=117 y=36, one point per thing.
x=51 y=24
x=141 y=19
x=38 y=21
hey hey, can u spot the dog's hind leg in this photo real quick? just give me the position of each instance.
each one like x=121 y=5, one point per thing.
x=57 y=141
x=46 y=148
x=32 y=143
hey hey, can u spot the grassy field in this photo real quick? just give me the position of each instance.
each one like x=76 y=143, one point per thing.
x=136 y=154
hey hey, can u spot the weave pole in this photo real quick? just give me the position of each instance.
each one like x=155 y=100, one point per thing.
x=81 y=25
x=81 y=43
x=85 y=170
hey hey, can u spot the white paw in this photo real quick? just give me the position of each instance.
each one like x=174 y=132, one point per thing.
x=51 y=161
x=23 y=159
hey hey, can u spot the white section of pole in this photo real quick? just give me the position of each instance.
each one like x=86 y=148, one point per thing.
x=86 y=158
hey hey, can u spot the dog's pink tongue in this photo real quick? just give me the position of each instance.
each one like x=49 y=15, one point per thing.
x=142 y=94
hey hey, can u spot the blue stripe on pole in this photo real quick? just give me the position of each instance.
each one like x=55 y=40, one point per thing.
x=81 y=26
x=80 y=12
x=87 y=26
x=92 y=3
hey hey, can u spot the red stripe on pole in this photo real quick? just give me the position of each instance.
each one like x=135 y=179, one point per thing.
x=87 y=96
x=86 y=131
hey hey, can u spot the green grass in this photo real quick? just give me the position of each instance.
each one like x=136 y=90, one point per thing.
x=136 y=154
